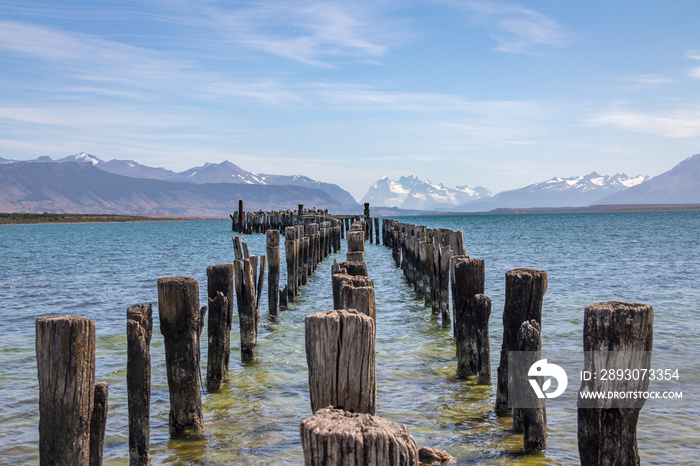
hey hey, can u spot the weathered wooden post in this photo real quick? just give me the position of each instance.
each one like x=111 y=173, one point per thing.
x=340 y=357
x=98 y=423
x=290 y=257
x=444 y=264
x=139 y=329
x=360 y=298
x=333 y=437
x=471 y=314
x=532 y=412
x=220 y=297
x=65 y=353
x=304 y=260
x=273 y=270
x=356 y=246
x=616 y=335
x=525 y=290
x=180 y=324
x=376 y=230
x=241 y=216
x=247 y=314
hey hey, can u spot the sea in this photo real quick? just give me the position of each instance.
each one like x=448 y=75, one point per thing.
x=98 y=270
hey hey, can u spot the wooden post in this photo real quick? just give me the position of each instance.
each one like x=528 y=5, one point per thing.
x=220 y=296
x=273 y=270
x=356 y=246
x=525 y=290
x=289 y=251
x=240 y=215
x=340 y=357
x=338 y=279
x=284 y=298
x=247 y=315
x=178 y=308
x=608 y=434
x=65 y=353
x=376 y=230
x=98 y=423
x=139 y=329
x=471 y=318
x=445 y=254
x=304 y=260
x=533 y=414
x=259 y=284
x=360 y=298
x=333 y=437
x=354 y=267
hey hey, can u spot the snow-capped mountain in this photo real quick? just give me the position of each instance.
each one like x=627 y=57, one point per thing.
x=577 y=191
x=680 y=185
x=410 y=192
x=82 y=157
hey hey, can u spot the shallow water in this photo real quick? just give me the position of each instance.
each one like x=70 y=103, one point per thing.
x=99 y=270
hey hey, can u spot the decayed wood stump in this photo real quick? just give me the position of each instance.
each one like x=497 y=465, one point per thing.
x=180 y=324
x=220 y=297
x=608 y=435
x=247 y=314
x=360 y=298
x=525 y=290
x=532 y=415
x=139 y=329
x=472 y=310
x=98 y=423
x=333 y=437
x=354 y=267
x=65 y=353
x=338 y=279
x=340 y=357
x=273 y=270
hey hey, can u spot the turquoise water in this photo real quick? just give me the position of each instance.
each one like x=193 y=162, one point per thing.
x=99 y=270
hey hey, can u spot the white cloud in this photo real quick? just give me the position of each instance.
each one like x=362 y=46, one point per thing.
x=676 y=124
x=695 y=71
x=517 y=29
x=308 y=31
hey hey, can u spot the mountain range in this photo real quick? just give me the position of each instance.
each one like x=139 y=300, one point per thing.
x=83 y=183
x=410 y=192
x=224 y=172
x=36 y=187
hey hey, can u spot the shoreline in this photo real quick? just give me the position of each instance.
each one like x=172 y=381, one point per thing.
x=50 y=218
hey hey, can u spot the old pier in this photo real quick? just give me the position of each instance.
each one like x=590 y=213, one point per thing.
x=344 y=426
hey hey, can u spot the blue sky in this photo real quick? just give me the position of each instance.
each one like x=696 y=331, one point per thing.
x=496 y=94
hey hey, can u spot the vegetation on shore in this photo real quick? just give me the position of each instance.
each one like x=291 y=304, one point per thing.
x=15 y=218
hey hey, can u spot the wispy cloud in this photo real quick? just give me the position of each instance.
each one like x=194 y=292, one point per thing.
x=309 y=31
x=646 y=81
x=516 y=29
x=675 y=124
x=695 y=71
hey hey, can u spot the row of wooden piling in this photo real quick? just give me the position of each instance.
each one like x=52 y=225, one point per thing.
x=611 y=326
x=340 y=352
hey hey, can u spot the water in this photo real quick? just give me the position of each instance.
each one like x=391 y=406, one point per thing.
x=99 y=270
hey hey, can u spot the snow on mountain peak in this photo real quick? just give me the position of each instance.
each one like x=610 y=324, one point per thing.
x=410 y=192
x=87 y=158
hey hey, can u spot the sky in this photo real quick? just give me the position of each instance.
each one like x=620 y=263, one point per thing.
x=476 y=93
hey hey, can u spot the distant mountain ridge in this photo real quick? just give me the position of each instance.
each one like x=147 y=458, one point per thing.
x=410 y=192
x=576 y=191
x=71 y=187
x=679 y=185
x=224 y=172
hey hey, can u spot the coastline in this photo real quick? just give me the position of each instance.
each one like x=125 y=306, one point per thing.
x=50 y=218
